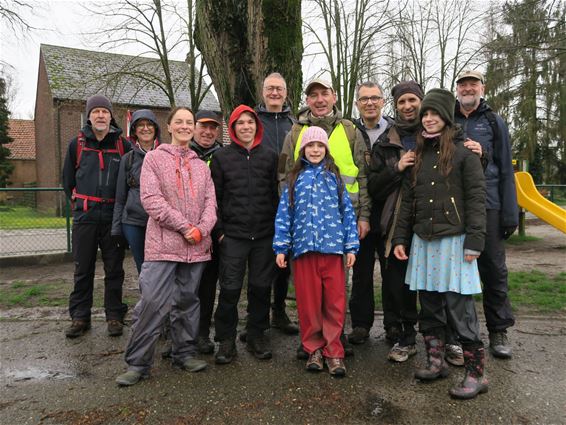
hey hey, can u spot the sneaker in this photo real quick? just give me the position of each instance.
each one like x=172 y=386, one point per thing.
x=130 y=378
x=259 y=347
x=358 y=336
x=315 y=361
x=401 y=353
x=191 y=364
x=348 y=349
x=115 y=327
x=301 y=353
x=393 y=334
x=454 y=354
x=499 y=345
x=226 y=352
x=205 y=345
x=77 y=328
x=336 y=367
x=281 y=321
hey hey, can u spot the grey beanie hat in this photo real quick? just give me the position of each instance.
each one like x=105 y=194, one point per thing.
x=98 y=101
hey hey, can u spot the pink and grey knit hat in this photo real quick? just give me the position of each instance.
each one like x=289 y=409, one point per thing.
x=314 y=134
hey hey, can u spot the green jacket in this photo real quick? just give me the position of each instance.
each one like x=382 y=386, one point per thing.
x=439 y=206
x=362 y=206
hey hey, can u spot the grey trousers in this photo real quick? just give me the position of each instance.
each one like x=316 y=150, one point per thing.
x=166 y=287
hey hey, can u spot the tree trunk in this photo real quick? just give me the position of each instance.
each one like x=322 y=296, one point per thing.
x=243 y=41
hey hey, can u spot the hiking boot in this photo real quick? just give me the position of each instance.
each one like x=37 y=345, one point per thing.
x=191 y=364
x=436 y=366
x=301 y=353
x=393 y=335
x=336 y=367
x=243 y=335
x=281 y=321
x=77 y=328
x=115 y=327
x=475 y=382
x=499 y=345
x=226 y=352
x=358 y=335
x=259 y=347
x=131 y=377
x=401 y=354
x=315 y=361
x=454 y=355
x=205 y=345
x=348 y=349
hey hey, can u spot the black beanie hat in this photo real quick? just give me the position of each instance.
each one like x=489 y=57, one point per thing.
x=405 y=87
x=98 y=101
x=443 y=102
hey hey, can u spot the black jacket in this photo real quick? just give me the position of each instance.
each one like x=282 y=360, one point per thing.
x=276 y=125
x=246 y=191
x=439 y=206
x=204 y=153
x=90 y=179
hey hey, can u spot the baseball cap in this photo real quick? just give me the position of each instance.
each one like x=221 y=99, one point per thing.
x=470 y=73
x=320 y=82
x=207 y=116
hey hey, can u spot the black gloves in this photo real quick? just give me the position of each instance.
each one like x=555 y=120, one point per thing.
x=508 y=231
x=120 y=241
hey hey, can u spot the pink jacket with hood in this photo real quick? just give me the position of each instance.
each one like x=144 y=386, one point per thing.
x=177 y=192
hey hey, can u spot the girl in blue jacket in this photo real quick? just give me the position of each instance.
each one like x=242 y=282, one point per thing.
x=316 y=222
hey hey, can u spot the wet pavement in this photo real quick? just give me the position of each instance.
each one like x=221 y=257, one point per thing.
x=48 y=379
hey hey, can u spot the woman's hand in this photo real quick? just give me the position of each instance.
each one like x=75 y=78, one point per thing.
x=399 y=252
x=470 y=258
x=407 y=160
x=193 y=236
x=350 y=260
x=280 y=261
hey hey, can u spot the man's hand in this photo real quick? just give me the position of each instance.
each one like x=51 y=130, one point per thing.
x=470 y=258
x=280 y=261
x=363 y=228
x=407 y=160
x=399 y=252
x=508 y=231
x=474 y=146
x=120 y=241
x=350 y=260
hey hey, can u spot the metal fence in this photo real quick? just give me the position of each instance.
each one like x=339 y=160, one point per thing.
x=34 y=221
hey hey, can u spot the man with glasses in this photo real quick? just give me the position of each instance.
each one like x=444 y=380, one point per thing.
x=275 y=115
x=370 y=125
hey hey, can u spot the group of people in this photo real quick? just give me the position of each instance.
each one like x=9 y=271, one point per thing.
x=430 y=193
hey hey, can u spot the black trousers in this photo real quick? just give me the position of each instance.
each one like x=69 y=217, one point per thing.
x=362 y=302
x=207 y=291
x=442 y=309
x=281 y=287
x=235 y=255
x=493 y=273
x=87 y=238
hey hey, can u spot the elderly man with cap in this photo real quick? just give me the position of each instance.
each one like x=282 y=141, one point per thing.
x=392 y=158
x=90 y=173
x=482 y=125
x=205 y=143
x=347 y=147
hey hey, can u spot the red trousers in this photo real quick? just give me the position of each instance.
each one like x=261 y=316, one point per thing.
x=321 y=301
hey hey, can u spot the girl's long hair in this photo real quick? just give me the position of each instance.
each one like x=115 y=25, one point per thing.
x=447 y=148
x=329 y=165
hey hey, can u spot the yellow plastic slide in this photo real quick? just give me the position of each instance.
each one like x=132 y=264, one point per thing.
x=530 y=199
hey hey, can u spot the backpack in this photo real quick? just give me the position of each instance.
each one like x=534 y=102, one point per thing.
x=81 y=146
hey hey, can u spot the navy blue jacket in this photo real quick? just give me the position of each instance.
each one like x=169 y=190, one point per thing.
x=276 y=125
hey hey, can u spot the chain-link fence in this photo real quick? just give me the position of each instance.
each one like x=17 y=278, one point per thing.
x=34 y=221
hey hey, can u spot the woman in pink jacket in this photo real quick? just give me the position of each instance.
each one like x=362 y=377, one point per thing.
x=178 y=194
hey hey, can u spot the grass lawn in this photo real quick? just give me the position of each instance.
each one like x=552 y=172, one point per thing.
x=12 y=218
x=519 y=240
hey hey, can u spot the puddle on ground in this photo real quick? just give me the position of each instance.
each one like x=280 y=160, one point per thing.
x=36 y=373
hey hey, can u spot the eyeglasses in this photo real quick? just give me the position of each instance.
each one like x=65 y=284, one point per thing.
x=145 y=124
x=278 y=89
x=365 y=100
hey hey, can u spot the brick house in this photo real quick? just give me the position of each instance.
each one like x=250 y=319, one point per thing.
x=22 y=152
x=67 y=77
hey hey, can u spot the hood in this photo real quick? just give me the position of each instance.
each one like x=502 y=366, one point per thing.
x=262 y=110
x=234 y=117
x=178 y=151
x=305 y=117
x=144 y=114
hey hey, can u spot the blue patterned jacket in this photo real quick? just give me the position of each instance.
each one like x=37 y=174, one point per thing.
x=320 y=220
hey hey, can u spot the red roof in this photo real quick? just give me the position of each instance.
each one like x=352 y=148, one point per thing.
x=23 y=133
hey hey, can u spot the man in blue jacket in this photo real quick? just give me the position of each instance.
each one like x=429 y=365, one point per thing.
x=482 y=125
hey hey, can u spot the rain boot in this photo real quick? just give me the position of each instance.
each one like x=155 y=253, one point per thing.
x=435 y=366
x=475 y=381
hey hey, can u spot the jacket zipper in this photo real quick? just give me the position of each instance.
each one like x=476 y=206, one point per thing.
x=456 y=208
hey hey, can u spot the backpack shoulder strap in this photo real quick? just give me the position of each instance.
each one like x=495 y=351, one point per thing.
x=350 y=129
x=492 y=119
x=81 y=140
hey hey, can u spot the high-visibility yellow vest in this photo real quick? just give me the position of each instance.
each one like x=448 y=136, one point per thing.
x=342 y=154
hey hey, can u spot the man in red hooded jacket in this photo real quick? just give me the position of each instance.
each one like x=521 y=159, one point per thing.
x=245 y=178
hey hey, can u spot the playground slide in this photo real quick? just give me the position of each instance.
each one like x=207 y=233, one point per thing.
x=530 y=199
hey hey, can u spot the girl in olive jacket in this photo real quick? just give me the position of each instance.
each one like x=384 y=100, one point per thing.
x=443 y=209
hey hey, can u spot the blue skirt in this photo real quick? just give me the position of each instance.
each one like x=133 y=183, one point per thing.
x=438 y=265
